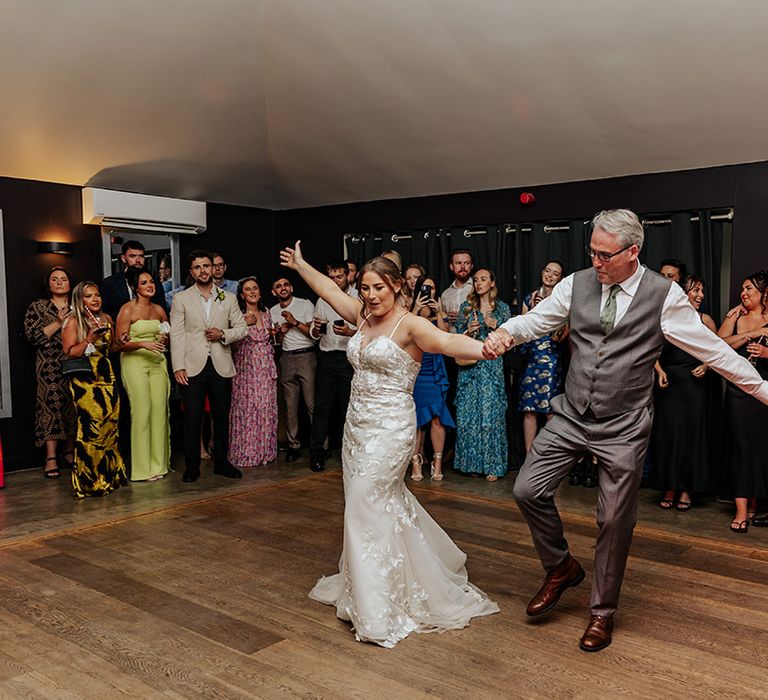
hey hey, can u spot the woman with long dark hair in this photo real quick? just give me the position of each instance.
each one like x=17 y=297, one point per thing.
x=143 y=326
x=745 y=329
x=481 y=398
x=680 y=436
x=399 y=572
x=54 y=410
x=543 y=376
x=431 y=389
x=253 y=414
x=89 y=333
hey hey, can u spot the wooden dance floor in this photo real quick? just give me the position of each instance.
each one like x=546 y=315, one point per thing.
x=208 y=599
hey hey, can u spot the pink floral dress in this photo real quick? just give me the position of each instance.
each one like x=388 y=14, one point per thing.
x=253 y=416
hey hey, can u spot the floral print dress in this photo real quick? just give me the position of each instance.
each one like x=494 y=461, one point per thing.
x=253 y=415
x=543 y=376
x=481 y=406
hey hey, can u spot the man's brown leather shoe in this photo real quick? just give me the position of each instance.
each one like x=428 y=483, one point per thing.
x=597 y=636
x=566 y=575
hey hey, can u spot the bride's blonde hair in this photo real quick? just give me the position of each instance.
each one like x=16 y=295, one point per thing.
x=389 y=273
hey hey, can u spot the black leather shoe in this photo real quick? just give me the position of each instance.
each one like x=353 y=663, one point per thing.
x=291 y=455
x=190 y=474
x=590 y=479
x=317 y=466
x=575 y=478
x=226 y=469
x=760 y=520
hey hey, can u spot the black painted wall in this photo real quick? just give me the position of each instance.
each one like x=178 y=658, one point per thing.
x=34 y=211
x=249 y=238
x=744 y=187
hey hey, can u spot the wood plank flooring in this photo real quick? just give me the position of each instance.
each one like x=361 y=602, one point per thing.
x=208 y=599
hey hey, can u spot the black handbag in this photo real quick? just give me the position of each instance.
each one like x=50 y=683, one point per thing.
x=79 y=367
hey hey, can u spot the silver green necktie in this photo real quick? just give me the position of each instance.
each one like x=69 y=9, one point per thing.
x=608 y=314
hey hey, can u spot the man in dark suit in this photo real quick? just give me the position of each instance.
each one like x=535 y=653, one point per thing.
x=115 y=290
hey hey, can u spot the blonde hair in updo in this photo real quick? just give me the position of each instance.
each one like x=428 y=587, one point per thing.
x=389 y=272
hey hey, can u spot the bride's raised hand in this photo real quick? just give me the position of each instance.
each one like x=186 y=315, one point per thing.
x=291 y=257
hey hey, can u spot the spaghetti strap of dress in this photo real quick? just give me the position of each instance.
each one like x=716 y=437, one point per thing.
x=396 y=326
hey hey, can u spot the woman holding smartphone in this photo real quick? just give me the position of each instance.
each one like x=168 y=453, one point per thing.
x=89 y=333
x=431 y=389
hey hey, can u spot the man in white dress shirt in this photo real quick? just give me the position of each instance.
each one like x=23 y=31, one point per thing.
x=333 y=378
x=620 y=314
x=457 y=292
x=205 y=321
x=298 y=361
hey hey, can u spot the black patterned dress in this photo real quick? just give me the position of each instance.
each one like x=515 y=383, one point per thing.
x=54 y=410
x=99 y=468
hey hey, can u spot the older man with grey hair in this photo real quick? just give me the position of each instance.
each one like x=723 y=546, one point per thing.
x=620 y=314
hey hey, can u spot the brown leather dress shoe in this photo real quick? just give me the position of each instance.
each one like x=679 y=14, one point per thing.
x=566 y=575
x=597 y=636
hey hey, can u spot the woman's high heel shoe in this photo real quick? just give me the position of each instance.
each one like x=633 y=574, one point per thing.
x=416 y=463
x=439 y=475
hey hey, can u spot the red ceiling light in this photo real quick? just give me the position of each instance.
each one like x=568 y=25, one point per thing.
x=527 y=198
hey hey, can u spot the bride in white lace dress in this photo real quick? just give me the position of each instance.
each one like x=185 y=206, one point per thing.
x=399 y=572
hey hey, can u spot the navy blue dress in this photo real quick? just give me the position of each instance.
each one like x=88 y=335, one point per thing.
x=543 y=376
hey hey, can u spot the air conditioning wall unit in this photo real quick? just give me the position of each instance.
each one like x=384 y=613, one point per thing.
x=143 y=212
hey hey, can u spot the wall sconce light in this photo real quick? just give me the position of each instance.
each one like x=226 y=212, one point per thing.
x=57 y=247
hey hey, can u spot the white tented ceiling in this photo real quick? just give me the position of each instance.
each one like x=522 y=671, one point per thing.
x=288 y=103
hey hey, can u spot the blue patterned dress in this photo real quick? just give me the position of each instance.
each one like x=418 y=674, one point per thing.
x=481 y=405
x=543 y=376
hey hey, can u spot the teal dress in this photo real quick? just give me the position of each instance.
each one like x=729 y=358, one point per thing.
x=481 y=406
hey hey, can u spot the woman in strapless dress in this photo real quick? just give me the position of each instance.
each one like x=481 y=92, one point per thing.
x=143 y=329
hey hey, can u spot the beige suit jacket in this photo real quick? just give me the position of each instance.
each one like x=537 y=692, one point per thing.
x=189 y=347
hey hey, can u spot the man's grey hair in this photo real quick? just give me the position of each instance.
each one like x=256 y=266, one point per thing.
x=622 y=223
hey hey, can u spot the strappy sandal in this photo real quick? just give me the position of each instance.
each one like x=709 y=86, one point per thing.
x=68 y=463
x=439 y=476
x=52 y=473
x=417 y=461
x=740 y=527
x=683 y=506
x=666 y=503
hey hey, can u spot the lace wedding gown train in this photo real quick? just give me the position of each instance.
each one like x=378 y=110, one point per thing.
x=399 y=572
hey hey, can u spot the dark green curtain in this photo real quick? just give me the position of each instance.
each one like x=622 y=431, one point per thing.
x=516 y=254
x=699 y=244
x=537 y=246
x=491 y=247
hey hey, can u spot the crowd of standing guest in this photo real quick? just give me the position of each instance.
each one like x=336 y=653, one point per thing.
x=230 y=353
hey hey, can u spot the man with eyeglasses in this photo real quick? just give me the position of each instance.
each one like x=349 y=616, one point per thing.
x=619 y=314
x=218 y=270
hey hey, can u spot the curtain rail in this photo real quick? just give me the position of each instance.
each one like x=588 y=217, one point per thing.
x=727 y=215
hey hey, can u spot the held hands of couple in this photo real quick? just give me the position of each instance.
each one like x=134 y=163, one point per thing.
x=497 y=343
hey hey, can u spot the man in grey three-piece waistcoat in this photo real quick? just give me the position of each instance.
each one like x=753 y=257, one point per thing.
x=620 y=315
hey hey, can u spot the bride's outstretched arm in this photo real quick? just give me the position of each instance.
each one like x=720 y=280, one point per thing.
x=346 y=306
x=431 y=339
